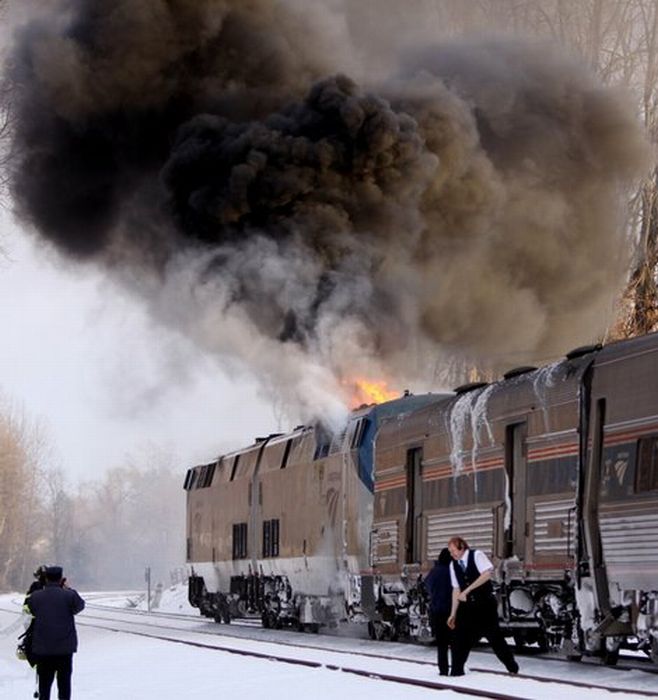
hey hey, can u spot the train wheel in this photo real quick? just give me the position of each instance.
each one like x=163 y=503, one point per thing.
x=377 y=631
x=544 y=643
x=573 y=643
x=610 y=651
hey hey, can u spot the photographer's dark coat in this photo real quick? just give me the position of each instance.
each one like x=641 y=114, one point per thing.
x=53 y=608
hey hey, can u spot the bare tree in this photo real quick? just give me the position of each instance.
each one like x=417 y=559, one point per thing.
x=131 y=518
x=5 y=111
x=23 y=454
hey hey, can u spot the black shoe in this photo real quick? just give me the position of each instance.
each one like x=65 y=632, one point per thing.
x=513 y=668
x=456 y=673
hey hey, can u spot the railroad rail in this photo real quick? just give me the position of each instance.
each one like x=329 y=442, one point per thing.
x=319 y=645
x=378 y=675
x=316 y=652
x=625 y=664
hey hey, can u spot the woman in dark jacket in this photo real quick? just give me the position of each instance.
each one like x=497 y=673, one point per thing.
x=439 y=587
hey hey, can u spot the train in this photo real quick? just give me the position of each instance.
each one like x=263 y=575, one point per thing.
x=551 y=471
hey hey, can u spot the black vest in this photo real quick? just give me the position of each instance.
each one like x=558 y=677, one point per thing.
x=466 y=577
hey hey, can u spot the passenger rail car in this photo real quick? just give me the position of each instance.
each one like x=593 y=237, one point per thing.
x=553 y=472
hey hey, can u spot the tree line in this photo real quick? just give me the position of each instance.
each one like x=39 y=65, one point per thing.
x=104 y=532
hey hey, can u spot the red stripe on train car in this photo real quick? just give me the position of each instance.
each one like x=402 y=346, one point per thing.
x=543 y=453
x=612 y=438
x=433 y=474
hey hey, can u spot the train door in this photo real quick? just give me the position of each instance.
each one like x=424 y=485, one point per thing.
x=413 y=543
x=516 y=521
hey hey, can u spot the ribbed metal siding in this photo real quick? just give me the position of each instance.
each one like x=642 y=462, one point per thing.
x=630 y=538
x=548 y=514
x=384 y=543
x=475 y=526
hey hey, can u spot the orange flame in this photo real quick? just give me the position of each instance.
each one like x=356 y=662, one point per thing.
x=364 y=391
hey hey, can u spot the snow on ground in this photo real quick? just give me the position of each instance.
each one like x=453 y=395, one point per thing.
x=116 y=665
x=110 y=666
x=172 y=600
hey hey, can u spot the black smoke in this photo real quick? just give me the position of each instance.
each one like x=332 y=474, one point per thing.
x=468 y=202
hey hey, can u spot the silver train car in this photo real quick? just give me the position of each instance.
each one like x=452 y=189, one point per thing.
x=553 y=472
x=281 y=528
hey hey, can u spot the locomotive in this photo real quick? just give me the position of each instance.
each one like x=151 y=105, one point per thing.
x=552 y=472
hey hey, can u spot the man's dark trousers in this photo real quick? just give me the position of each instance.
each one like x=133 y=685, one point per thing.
x=47 y=667
x=475 y=620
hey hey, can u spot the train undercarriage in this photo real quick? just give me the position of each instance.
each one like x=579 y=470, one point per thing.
x=268 y=598
x=541 y=613
x=535 y=613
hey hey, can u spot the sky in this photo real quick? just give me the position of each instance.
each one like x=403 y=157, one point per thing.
x=81 y=357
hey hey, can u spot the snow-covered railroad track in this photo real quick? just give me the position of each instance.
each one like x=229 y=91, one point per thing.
x=481 y=682
x=414 y=653
x=418 y=661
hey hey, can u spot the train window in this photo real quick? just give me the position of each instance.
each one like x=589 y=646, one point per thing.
x=239 y=540
x=270 y=538
x=234 y=470
x=646 y=472
x=188 y=476
x=286 y=454
x=193 y=478
x=266 y=538
x=359 y=431
x=206 y=473
x=322 y=443
x=275 y=538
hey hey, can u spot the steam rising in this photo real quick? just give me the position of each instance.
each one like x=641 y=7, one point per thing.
x=214 y=155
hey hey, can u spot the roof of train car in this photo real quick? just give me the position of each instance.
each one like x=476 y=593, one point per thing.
x=410 y=403
x=627 y=346
x=272 y=438
x=529 y=388
x=403 y=404
x=386 y=412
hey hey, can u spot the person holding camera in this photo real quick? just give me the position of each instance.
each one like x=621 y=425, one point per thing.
x=474 y=612
x=39 y=581
x=54 y=638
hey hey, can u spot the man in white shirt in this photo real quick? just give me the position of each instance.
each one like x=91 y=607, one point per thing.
x=474 y=612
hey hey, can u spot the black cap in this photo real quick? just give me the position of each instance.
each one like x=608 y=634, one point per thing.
x=54 y=573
